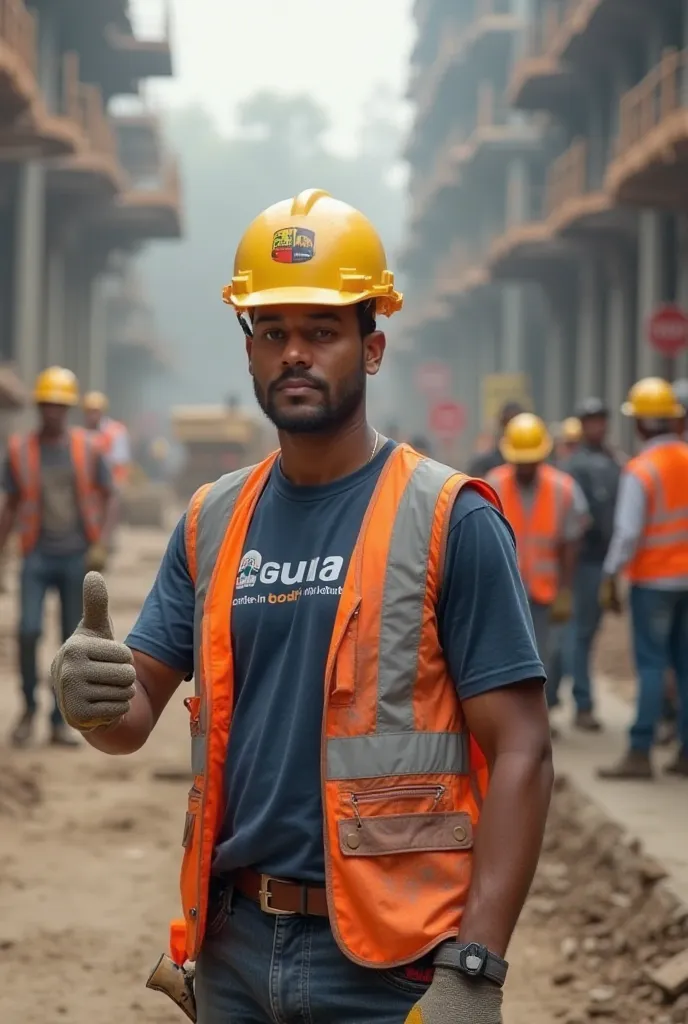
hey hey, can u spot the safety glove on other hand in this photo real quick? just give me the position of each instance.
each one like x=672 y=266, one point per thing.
x=454 y=998
x=92 y=674
x=562 y=606
x=96 y=558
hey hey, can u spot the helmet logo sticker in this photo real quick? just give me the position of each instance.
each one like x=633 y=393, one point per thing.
x=293 y=245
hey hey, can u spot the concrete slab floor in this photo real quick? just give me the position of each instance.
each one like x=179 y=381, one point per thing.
x=655 y=812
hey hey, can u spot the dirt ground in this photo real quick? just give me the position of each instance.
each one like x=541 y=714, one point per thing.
x=89 y=857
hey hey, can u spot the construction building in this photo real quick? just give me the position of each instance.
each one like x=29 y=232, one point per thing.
x=548 y=167
x=80 y=188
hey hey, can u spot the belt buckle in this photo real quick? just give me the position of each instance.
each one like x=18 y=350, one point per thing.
x=265 y=897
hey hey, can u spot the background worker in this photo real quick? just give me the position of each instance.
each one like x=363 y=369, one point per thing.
x=569 y=437
x=650 y=542
x=596 y=470
x=486 y=461
x=547 y=510
x=114 y=435
x=59 y=496
x=311 y=608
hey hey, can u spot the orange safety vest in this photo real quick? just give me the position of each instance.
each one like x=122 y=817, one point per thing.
x=538 y=532
x=402 y=779
x=25 y=460
x=108 y=434
x=663 y=549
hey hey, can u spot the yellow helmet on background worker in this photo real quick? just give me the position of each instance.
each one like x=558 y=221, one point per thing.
x=571 y=430
x=526 y=440
x=652 y=398
x=56 y=386
x=312 y=249
x=95 y=401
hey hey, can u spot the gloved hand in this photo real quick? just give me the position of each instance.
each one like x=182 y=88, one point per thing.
x=609 y=598
x=454 y=998
x=96 y=558
x=93 y=675
x=562 y=606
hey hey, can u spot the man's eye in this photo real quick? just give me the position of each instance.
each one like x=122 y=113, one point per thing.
x=322 y=333
x=274 y=335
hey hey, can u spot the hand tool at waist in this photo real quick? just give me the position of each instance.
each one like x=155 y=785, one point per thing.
x=275 y=896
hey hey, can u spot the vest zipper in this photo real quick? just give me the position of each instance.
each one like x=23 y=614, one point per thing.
x=403 y=793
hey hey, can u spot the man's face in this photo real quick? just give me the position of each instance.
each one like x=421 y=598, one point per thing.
x=53 y=417
x=594 y=429
x=309 y=365
x=526 y=472
x=92 y=418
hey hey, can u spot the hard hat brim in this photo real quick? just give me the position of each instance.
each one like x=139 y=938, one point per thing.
x=629 y=409
x=385 y=304
x=526 y=456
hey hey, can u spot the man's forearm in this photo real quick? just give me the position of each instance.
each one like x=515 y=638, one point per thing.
x=110 y=517
x=7 y=521
x=568 y=555
x=508 y=843
x=129 y=734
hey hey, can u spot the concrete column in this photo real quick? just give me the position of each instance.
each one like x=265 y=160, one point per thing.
x=49 y=58
x=56 y=308
x=98 y=340
x=620 y=372
x=517 y=192
x=513 y=329
x=28 y=270
x=590 y=347
x=651 y=273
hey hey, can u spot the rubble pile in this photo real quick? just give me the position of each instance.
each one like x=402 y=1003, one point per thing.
x=622 y=936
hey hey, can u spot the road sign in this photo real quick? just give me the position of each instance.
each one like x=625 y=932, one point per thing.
x=433 y=379
x=500 y=388
x=668 y=330
x=447 y=420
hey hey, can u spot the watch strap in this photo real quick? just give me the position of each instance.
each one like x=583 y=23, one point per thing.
x=460 y=956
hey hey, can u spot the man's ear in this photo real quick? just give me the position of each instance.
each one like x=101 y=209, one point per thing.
x=374 y=345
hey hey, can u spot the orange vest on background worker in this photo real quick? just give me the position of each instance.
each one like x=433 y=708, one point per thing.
x=110 y=433
x=402 y=779
x=25 y=460
x=663 y=549
x=538 y=530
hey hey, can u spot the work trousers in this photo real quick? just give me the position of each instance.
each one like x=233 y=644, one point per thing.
x=571 y=645
x=256 y=968
x=660 y=639
x=39 y=574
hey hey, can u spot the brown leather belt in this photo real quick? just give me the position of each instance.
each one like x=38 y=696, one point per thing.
x=275 y=896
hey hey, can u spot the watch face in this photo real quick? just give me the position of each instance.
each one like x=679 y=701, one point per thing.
x=473 y=958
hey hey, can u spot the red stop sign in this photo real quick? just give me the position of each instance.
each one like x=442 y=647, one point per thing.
x=668 y=330
x=447 y=420
x=433 y=379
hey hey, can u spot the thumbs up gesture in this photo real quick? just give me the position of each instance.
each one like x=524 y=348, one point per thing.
x=93 y=675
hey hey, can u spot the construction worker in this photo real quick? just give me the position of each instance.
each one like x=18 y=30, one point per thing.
x=650 y=544
x=114 y=435
x=58 y=494
x=569 y=437
x=547 y=510
x=681 y=391
x=596 y=469
x=367 y=637
x=484 y=462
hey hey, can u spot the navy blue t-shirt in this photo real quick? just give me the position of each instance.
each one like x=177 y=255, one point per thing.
x=294 y=565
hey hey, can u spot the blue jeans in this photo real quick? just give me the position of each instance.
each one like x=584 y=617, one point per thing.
x=660 y=640
x=587 y=616
x=39 y=574
x=258 y=969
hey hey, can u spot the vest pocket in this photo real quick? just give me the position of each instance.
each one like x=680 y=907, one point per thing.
x=405 y=833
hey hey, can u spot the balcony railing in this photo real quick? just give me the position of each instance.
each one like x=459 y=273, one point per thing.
x=659 y=95
x=545 y=33
x=83 y=104
x=568 y=177
x=18 y=31
x=491 y=8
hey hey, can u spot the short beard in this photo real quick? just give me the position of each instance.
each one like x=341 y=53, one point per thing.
x=323 y=419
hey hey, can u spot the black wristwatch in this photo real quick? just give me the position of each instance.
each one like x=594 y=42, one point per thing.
x=473 y=960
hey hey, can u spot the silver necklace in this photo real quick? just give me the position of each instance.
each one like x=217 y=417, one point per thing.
x=372 y=454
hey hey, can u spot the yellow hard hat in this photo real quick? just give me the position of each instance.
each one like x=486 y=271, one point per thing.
x=312 y=249
x=95 y=401
x=571 y=430
x=56 y=386
x=652 y=398
x=526 y=440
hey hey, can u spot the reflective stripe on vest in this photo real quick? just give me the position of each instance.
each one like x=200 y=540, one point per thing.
x=393 y=725
x=25 y=460
x=538 y=532
x=662 y=552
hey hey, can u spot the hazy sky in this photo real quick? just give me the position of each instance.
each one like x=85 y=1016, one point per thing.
x=339 y=52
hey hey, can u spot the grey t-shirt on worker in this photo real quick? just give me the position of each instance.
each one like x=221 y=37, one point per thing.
x=62 y=529
x=295 y=561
